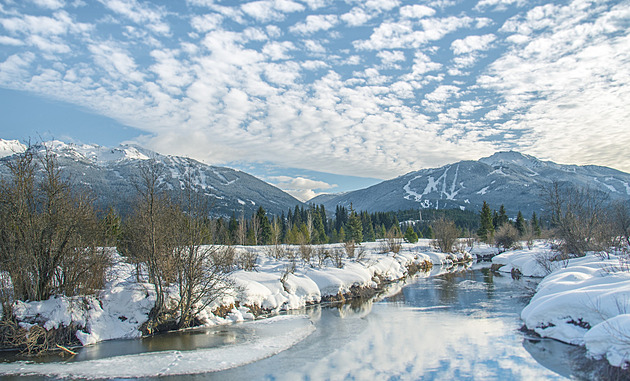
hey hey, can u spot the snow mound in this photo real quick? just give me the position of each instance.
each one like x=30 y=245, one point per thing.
x=585 y=304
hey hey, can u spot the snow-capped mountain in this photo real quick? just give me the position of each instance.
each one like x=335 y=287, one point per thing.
x=111 y=174
x=505 y=178
x=10 y=147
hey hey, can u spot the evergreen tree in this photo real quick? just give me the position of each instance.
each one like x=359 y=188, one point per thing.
x=428 y=232
x=355 y=228
x=233 y=229
x=368 y=228
x=486 y=228
x=502 y=217
x=382 y=232
x=535 y=225
x=410 y=235
x=341 y=217
x=264 y=226
x=520 y=223
x=319 y=233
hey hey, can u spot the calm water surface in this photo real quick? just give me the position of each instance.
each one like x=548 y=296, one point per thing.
x=458 y=325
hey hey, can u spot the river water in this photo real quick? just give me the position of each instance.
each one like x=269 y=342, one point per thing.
x=456 y=325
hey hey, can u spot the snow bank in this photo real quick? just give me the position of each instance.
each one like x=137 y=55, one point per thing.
x=117 y=313
x=585 y=303
x=526 y=261
x=121 y=308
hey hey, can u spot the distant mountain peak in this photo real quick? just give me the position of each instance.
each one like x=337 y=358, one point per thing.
x=10 y=147
x=511 y=157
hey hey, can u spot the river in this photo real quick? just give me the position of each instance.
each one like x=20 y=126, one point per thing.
x=456 y=325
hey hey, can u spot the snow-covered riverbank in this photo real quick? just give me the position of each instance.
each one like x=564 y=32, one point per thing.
x=583 y=301
x=123 y=306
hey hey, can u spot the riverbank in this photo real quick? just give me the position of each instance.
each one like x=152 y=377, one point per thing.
x=122 y=307
x=582 y=301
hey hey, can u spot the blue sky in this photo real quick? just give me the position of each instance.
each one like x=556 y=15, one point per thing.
x=318 y=95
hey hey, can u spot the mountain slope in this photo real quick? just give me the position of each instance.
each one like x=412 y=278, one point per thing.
x=111 y=174
x=505 y=178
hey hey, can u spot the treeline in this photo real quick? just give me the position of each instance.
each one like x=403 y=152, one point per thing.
x=315 y=225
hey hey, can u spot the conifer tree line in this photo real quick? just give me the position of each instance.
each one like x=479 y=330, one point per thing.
x=315 y=225
x=492 y=221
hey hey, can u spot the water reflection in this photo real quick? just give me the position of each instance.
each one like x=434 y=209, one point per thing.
x=452 y=326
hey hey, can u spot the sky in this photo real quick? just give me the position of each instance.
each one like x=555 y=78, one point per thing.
x=320 y=96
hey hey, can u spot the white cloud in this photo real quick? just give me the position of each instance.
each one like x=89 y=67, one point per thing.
x=206 y=22
x=116 y=62
x=356 y=17
x=436 y=99
x=315 y=23
x=49 y=4
x=140 y=13
x=416 y=11
x=472 y=44
x=263 y=11
x=278 y=50
x=381 y=5
x=314 y=46
x=5 y=40
x=390 y=57
x=352 y=100
x=402 y=34
x=422 y=64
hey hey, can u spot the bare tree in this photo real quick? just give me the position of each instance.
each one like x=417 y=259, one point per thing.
x=620 y=216
x=149 y=236
x=446 y=234
x=47 y=230
x=202 y=277
x=241 y=233
x=577 y=218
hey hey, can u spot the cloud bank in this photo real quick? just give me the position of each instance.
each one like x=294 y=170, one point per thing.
x=375 y=88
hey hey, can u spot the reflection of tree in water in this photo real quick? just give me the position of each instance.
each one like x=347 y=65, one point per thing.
x=447 y=287
x=570 y=361
x=488 y=280
x=192 y=339
x=448 y=290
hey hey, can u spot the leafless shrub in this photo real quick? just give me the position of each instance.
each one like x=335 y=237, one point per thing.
x=392 y=243
x=620 y=216
x=506 y=237
x=306 y=252
x=225 y=258
x=360 y=253
x=550 y=261
x=246 y=260
x=349 y=247
x=446 y=234
x=276 y=251
x=336 y=255
x=322 y=254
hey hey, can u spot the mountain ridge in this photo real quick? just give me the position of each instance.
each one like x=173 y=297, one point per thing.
x=110 y=174
x=505 y=178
